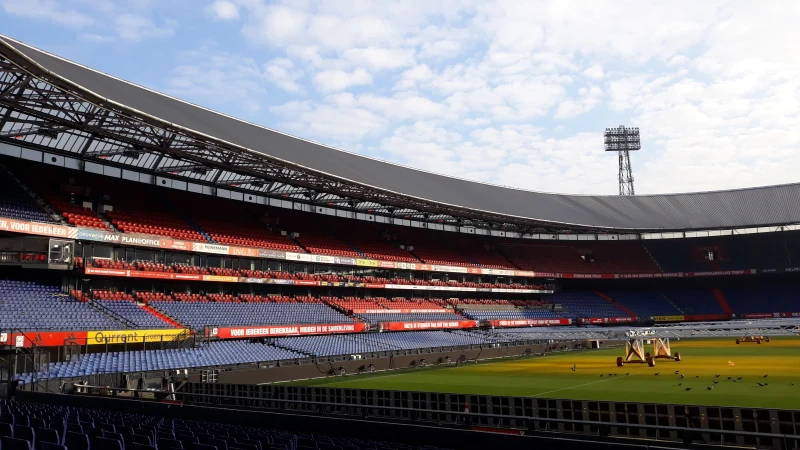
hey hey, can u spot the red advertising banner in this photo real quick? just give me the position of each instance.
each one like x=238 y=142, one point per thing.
x=287 y=330
x=37 y=228
x=42 y=338
x=398 y=311
x=529 y=322
x=760 y=315
x=150 y=275
x=407 y=326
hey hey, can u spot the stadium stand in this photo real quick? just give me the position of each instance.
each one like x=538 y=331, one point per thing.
x=26 y=305
x=764 y=299
x=379 y=342
x=199 y=312
x=586 y=304
x=209 y=355
x=517 y=314
x=16 y=203
x=578 y=257
x=44 y=426
x=125 y=305
x=644 y=303
x=410 y=317
x=694 y=301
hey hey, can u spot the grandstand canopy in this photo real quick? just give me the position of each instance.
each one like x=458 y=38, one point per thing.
x=59 y=106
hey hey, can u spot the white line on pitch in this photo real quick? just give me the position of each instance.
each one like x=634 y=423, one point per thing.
x=580 y=385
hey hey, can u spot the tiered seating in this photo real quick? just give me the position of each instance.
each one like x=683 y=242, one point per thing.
x=17 y=204
x=518 y=314
x=373 y=343
x=353 y=303
x=152 y=220
x=411 y=317
x=586 y=304
x=754 y=251
x=250 y=229
x=767 y=299
x=609 y=257
x=367 y=239
x=214 y=354
x=430 y=247
x=49 y=426
x=403 y=303
x=125 y=305
x=482 y=253
x=694 y=301
x=30 y=306
x=644 y=303
x=197 y=312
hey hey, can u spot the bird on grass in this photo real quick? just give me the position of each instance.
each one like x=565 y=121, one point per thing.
x=730 y=378
x=677 y=372
x=697 y=376
x=680 y=384
x=765 y=376
x=601 y=375
x=615 y=374
x=709 y=387
x=574 y=367
x=762 y=384
x=734 y=381
x=740 y=378
x=609 y=374
x=682 y=375
x=656 y=374
x=688 y=389
x=717 y=376
x=627 y=374
x=716 y=382
x=792 y=383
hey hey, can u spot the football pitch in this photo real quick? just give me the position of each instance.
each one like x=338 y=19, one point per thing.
x=740 y=369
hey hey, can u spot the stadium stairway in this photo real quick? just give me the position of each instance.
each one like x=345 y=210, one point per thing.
x=613 y=302
x=723 y=302
x=164 y=318
x=166 y=202
x=671 y=302
x=655 y=261
x=506 y=258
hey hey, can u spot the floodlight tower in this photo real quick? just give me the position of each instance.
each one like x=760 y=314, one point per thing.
x=623 y=140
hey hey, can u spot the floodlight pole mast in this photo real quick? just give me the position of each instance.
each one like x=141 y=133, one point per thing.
x=625 y=174
x=623 y=140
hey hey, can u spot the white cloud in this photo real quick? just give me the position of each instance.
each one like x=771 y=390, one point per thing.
x=223 y=10
x=49 y=11
x=498 y=91
x=337 y=80
x=215 y=78
x=284 y=74
x=594 y=72
x=379 y=58
x=133 y=27
x=588 y=100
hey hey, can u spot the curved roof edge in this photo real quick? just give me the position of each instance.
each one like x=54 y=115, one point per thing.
x=738 y=208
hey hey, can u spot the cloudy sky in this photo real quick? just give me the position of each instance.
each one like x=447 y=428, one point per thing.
x=514 y=93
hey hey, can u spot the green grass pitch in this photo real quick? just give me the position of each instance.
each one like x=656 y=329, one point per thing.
x=598 y=378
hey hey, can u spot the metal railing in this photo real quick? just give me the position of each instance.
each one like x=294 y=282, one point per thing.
x=448 y=419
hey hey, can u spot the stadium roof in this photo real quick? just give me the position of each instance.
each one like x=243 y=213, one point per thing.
x=227 y=151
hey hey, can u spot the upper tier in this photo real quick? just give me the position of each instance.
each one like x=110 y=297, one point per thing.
x=764 y=206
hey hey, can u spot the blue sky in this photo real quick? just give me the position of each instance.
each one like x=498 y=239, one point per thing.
x=513 y=93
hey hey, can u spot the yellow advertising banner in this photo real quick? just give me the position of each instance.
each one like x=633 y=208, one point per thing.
x=367 y=262
x=221 y=278
x=668 y=318
x=132 y=336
